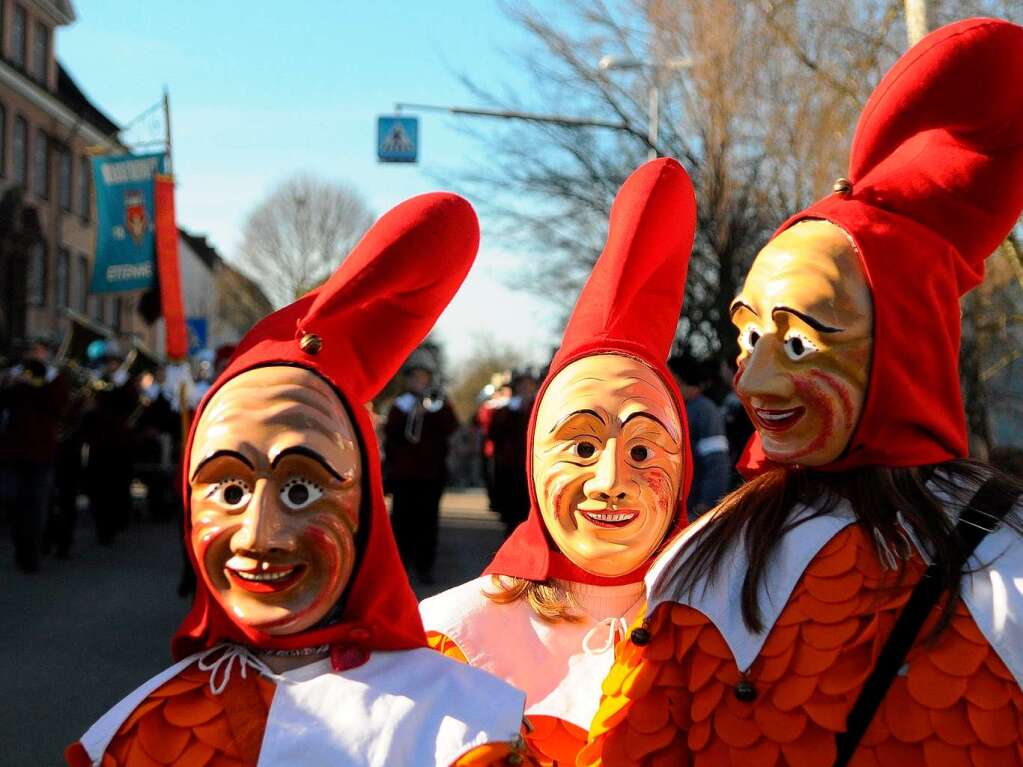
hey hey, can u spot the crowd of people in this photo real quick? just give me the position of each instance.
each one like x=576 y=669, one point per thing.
x=76 y=434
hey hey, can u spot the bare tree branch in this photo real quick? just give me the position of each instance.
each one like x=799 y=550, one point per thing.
x=298 y=235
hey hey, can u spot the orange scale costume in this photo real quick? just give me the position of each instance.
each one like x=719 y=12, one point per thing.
x=608 y=468
x=304 y=644
x=839 y=652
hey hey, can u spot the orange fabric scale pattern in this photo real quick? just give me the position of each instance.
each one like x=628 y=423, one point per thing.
x=550 y=741
x=183 y=723
x=673 y=701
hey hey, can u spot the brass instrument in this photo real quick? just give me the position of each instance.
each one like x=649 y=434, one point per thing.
x=429 y=401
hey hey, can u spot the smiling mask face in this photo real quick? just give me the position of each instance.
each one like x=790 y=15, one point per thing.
x=805 y=324
x=607 y=462
x=275 y=481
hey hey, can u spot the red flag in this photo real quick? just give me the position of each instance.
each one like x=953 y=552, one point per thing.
x=169 y=270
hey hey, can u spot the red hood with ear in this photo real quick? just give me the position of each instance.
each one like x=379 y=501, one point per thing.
x=355 y=331
x=630 y=305
x=936 y=183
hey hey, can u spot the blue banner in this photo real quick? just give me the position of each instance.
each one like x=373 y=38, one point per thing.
x=197 y=335
x=125 y=243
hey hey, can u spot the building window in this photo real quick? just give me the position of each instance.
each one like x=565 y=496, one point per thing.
x=40 y=165
x=40 y=52
x=63 y=279
x=84 y=186
x=37 y=274
x=64 y=178
x=18 y=34
x=82 y=289
x=20 y=150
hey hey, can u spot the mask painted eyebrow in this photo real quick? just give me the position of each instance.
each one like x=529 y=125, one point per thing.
x=223 y=454
x=307 y=453
x=737 y=305
x=573 y=414
x=814 y=323
x=651 y=417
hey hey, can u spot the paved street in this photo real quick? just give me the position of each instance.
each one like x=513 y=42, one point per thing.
x=82 y=633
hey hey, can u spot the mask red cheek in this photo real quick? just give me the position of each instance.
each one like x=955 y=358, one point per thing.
x=555 y=485
x=326 y=557
x=206 y=537
x=660 y=485
x=823 y=403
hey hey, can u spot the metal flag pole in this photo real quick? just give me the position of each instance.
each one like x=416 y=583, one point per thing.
x=167 y=130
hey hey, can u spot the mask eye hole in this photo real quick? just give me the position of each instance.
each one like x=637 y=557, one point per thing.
x=748 y=338
x=298 y=493
x=639 y=453
x=798 y=346
x=585 y=449
x=231 y=494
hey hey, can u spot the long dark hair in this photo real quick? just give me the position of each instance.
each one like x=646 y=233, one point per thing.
x=760 y=514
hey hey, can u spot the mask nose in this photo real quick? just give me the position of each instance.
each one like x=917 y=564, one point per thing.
x=762 y=373
x=264 y=529
x=607 y=483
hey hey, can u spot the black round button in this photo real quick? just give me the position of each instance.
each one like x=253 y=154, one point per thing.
x=745 y=691
x=640 y=636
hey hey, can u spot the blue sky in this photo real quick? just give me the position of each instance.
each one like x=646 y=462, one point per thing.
x=260 y=90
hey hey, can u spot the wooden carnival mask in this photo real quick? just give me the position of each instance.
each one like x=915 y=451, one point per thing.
x=275 y=482
x=805 y=324
x=607 y=462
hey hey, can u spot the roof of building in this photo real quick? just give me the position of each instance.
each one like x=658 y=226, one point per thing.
x=253 y=292
x=74 y=99
x=206 y=252
x=242 y=302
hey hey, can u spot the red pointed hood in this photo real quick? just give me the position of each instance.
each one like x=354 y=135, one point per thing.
x=354 y=332
x=630 y=305
x=935 y=184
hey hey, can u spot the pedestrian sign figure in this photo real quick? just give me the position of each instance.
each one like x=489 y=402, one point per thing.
x=397 y=138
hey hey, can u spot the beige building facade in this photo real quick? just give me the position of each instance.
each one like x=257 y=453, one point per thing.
x=49 y=131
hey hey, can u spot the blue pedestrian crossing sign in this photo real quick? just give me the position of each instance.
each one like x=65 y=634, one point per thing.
x=397 y=138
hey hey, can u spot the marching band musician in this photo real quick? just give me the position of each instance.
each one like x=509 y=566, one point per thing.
x=417 y=436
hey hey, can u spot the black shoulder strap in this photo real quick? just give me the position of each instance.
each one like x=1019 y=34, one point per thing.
x=978 y=519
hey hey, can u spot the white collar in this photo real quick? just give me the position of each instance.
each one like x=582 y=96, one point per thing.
x=719 y=598
x=992 y=588
x=409 y=707
x=560 y=666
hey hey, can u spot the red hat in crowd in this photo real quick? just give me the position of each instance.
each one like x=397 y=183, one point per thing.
x=355 y=331
x=630 y=305
x=935 y=184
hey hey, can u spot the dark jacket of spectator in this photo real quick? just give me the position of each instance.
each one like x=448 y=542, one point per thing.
x=711 y=467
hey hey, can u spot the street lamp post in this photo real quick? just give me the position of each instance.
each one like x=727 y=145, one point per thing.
x=610 y=62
